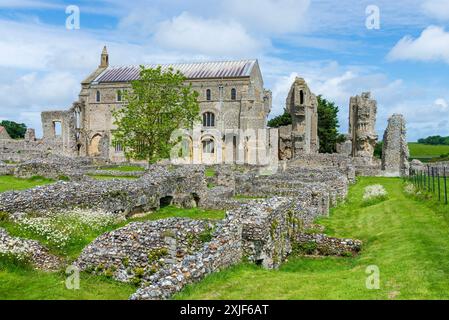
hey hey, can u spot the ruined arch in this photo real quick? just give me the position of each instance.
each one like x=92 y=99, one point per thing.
x=94 y=145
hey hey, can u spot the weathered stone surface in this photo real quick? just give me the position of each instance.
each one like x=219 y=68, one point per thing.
x=321 y=244
x=138 y=250
x=30 y=250
x=395 y=151
x=184 y=186
x=362 y=125
x=302 y=104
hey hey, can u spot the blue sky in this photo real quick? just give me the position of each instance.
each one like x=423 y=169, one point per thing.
x=404 y=64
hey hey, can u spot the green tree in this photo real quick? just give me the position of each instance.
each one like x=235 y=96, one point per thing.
x=378 y=149
x=281 y=120
x=14 y=129
x=328 y=126
x=158 y=104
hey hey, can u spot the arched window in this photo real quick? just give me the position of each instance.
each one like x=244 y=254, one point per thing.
x=301 y=97
x=119 y=95
x=208 y=146
x=233 y=94
x=98 y=96
x=208 y=119
x=208 y=95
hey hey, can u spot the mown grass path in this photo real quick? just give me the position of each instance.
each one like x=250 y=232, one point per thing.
x=406 y=238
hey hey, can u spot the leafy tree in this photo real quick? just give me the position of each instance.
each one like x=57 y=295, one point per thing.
x=158 y=104
x=14 y=129
x=281 y=120
x=328 y=126
x=378 y=149
x=435 y=140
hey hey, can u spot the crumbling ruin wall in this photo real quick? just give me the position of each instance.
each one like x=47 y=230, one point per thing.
x=184 y=186
x=66 y=138
x=302 y=136
x=395 y=152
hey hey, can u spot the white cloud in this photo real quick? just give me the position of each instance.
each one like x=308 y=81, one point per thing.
x=271 y=16
x=206 y=36
x=442 y=103
x=28 y=4
x=437 y=8
x=431 y=45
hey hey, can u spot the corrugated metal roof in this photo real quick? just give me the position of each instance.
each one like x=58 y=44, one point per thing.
x=197 y=70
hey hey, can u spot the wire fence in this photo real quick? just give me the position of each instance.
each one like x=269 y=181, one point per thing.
x=433 y=180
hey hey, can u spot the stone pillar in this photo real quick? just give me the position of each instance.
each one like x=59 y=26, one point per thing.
x=362 y=125
x=395 y=151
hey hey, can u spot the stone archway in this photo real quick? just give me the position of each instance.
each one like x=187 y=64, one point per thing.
x=94 y=145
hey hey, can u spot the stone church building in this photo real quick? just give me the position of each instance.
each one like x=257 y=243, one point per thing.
x=232 y=99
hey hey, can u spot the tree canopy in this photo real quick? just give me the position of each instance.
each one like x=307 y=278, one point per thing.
x=14 y=129
x=158 y=104
x=435 y=140
x=328 y=126
x=281 y=120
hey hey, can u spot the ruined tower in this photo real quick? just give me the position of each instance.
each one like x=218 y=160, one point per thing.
x=362 y=125
x=395 y=151
x=302 y=105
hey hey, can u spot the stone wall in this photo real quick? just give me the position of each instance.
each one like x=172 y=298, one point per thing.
x=183 y=186
x=395 y=151
x=137 y=251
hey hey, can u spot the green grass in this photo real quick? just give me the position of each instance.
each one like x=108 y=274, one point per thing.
x=85 y=234
x=407 y=239
x=210 y=172
x=124 y=168
x=19 y=281
x=426 y=152
x=106 y=177
x=9 y=183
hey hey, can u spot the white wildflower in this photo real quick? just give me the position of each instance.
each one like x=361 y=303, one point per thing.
x=374 y=192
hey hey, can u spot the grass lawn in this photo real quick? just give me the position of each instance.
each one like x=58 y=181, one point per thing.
x=85 y=234
x=106 y=177
x=23 y=283
x=124 y=168
x=8 y=183
x=407 y=239
x=425 y=152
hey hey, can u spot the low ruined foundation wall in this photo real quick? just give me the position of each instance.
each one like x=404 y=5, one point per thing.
x=183 y=186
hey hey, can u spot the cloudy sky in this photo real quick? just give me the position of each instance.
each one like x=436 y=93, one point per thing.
x=404 y=63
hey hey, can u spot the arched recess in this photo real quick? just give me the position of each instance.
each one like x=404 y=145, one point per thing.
x=208 y=150
x=94 y=145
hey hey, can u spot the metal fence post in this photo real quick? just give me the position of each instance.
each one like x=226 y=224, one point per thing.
x=438 y=177
x=445 y=189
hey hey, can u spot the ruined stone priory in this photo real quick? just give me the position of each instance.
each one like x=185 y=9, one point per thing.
x=231 y=98
x=302 y=136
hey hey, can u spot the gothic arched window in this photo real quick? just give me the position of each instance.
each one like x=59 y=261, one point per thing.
x=301 y=97
x=119 y=95
x=208 y=146
x=208 y=119
x=233 y=94
x=98 y=96
x=208 y=95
